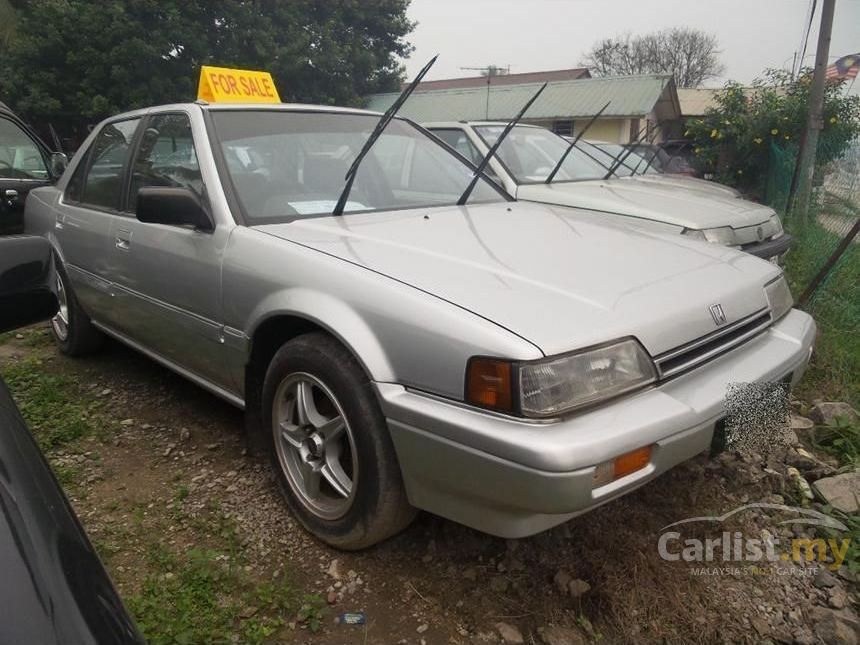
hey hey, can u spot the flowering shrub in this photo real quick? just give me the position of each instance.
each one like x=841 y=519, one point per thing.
x=732 y=139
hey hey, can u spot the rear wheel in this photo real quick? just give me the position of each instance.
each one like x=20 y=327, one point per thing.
x=73 y=331
x=330 y=445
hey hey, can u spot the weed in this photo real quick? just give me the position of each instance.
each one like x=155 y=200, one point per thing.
x=841 y=439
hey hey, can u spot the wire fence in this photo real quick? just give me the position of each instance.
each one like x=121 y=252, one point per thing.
x=822 y=264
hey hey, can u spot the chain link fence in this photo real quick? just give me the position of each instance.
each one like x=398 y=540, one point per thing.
x=822 y=264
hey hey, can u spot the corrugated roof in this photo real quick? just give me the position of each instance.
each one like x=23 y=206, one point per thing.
x=629 y=96
x=505 y=79
x=695 y=102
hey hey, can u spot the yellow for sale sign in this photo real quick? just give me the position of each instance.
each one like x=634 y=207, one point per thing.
x=223 y=85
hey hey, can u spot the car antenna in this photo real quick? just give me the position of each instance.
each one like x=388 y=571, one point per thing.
x=377 y=132
x=479 y=171
x=623 y=156
x=573 y=143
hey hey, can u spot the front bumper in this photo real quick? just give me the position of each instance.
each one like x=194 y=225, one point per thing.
x=768 y=249
x=514 y=478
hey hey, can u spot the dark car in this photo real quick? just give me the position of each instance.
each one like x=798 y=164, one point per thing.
x=54 y=589
x=25 y=163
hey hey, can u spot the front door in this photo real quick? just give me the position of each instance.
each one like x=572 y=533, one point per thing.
x=170 y=276
x=23 y=166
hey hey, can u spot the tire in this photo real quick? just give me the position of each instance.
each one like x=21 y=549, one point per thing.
x=72 y=329
x=341 y=479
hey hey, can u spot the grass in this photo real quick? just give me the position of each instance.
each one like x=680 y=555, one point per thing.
x=51 y=403
x=835 y=370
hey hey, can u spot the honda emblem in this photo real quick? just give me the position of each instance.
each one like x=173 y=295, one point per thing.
x=718 y=314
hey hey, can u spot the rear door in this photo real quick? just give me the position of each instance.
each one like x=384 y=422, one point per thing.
x=24 y=165
x=86 y=215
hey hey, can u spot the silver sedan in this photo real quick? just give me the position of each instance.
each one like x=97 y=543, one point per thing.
x=506 y=365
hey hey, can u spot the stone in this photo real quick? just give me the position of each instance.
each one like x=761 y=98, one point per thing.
x=801 y=424
x=184 y=434
x=838 y=599
x=470 y=574
x=423 y=627
x=561 y=636
x=509 y=633
x=827 y=412
x=824 y=579
x=331 y=598
x=334 y=570
x=578 y=587
x=800 y=483
x=840 y=491
x=834 y=627
x=125 y=423
x=562 y=580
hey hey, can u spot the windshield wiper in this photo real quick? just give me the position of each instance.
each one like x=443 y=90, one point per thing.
x=654 y=152
x=622 y=157
x=377 y=131
x=573 y=143
x=479 y=171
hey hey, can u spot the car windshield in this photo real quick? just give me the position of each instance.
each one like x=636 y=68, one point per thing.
x=529 y=154
x=635 y=162
x=290 y=164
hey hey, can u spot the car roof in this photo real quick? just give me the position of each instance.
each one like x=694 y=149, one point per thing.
x=457 y=124
x=225 y=107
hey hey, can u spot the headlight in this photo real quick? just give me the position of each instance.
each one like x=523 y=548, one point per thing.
x=778 y=297
x=777 y=224
x=724 y=235
x=559 y=384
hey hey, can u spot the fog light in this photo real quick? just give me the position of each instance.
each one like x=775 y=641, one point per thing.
x=621 y=466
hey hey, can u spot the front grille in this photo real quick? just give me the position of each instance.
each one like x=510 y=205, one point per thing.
x=708 y=347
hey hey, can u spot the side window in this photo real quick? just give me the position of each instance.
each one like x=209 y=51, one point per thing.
x=166 y=157
x=103 y=184
x=458 y=140
x=20 y=157
x=75 y=187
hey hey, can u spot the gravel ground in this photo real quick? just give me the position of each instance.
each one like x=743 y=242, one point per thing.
x=166 y=469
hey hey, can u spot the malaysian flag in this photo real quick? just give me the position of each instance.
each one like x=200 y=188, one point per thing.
x=844 y=68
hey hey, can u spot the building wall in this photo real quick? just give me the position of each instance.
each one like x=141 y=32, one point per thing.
x=609 y=130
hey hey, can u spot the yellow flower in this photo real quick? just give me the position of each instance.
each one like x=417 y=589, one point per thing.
x=697 y=150
x=714 y=133
x=833 y=119
x=774 y=132
x=787 y=137
x=686 y=133
x=758 y=139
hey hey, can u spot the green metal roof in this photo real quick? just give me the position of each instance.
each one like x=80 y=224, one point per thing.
x=629 y=96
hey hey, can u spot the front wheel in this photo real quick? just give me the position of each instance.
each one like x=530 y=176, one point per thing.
x=330 y=446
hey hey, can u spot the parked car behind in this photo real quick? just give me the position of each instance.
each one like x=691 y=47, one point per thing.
x=55 y=589
x=25 y=163
x=507 y=365
x=528 y=155
x=637 y=163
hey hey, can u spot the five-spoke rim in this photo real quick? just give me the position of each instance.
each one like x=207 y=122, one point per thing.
x=315 y=445
x=60 y=322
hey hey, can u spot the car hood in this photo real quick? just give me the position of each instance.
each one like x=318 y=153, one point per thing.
x=557 y=277
x=650 y=201
x=691 y=184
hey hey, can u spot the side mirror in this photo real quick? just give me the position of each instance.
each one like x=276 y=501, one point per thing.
x=172 y=206
x=27 y=281
x=59 y=162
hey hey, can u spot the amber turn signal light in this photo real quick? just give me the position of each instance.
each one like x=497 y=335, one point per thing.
x=621 y=466
x=488 y=384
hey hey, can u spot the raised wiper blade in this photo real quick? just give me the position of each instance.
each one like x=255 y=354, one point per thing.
x=384 y=120
x=573 y=143
x=653 y=152
x=479 y=171
x=622 y=157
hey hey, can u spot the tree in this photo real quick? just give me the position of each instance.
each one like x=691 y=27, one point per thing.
x=691 y=56
x=73 y=62
x=734 y=139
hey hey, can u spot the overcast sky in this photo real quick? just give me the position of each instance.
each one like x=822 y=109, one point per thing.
x=531 y=35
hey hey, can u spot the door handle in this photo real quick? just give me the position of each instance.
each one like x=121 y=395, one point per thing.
x=123 y=240
x=11 y=194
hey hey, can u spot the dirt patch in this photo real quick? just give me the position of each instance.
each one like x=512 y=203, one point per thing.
x=166 y=475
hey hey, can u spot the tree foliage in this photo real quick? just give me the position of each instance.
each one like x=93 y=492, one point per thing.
x=73 y=62
x=732 y=140
x=692 y=56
